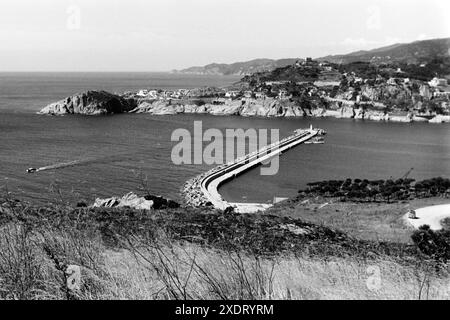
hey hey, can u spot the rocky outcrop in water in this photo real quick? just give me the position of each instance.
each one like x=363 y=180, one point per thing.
x=90 y=103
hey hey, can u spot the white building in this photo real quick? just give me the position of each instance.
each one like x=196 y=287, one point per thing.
x=282 y=94
x=441 y=94
x=153 y=94
x=231 y=94
x=248 y=94
x=260 y=95
x=392 y=81
x=436 y=82
x=142 y=93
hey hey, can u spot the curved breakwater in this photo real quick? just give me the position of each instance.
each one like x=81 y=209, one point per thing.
x=202 y=190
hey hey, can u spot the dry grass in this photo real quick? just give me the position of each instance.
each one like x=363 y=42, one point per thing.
x=33 y=263
x=36 y=250
x=32 y=267
x=368 y=221
x=209 y=274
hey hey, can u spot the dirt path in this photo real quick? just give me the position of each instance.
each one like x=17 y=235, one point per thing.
x=431 y=216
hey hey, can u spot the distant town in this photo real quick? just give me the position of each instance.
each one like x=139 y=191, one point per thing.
x=321 y=88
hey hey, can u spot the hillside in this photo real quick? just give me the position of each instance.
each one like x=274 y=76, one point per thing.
x=414 y=52
x=238 y=68
x=62 y=252
x=434 y=51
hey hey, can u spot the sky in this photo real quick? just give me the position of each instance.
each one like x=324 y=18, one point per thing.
x=161 y=35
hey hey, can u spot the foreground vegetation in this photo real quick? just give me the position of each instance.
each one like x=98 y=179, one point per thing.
x=182 y=253
x=379 y=190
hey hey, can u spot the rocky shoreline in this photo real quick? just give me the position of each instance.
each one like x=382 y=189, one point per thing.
x=274 y=108
x=99 y=103
x=90 y=103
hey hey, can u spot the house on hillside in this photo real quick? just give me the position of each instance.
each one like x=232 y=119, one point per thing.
x=274 y=83
x=260 y=95
x=305 y=62
x=392 y=81
x=152 y=94
x=166 y=94
x=282 y=94
x=441 y=94
x=220 y=101
x=424 y=91
x=436 y=82
x=231 y=94
x=142 y=93
x=248 y=94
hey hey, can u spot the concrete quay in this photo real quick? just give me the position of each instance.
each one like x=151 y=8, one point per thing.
x=203 y=189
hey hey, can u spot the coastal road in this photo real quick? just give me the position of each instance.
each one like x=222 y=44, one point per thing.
x=211 y=183
x=431 y=216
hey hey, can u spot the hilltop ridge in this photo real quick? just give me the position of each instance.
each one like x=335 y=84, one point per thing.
x=417 y=52
x=238 y=68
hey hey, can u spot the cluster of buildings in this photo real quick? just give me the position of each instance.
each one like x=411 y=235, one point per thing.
x=328 y=84
x=440 y=87
x=397 y=81
x=436 y=82
x=164 y=94
x=305 y=62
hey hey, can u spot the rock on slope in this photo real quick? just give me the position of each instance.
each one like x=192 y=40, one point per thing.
x=90 y=103
x=132 y=200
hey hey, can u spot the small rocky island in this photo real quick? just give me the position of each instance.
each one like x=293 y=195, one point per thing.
x=90 y=103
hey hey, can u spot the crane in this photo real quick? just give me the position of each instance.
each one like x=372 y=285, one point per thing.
x=407 y=174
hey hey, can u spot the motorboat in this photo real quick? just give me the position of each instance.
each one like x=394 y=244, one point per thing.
x=316 y=140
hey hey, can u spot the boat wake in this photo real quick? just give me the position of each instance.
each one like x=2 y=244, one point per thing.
x=59 y=165
x=100 y=160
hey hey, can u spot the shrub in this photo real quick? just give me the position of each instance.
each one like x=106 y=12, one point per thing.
x=379 y=190
x=434 y=244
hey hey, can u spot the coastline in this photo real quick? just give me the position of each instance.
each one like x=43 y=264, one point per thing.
x=89 y=104
x=279 y=109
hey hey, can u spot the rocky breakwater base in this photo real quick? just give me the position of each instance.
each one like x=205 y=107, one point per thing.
x=90 y=103
x=192 y=191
